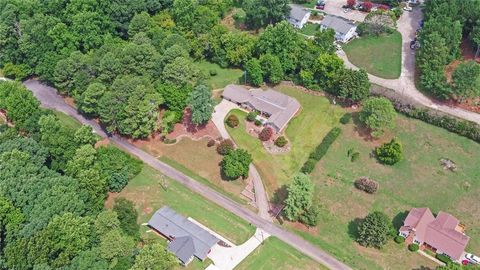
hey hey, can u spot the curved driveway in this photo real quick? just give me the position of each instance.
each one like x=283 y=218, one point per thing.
x=49 y=99
x=405 y=85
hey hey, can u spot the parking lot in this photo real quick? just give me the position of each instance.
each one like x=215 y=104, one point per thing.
x=334 y=7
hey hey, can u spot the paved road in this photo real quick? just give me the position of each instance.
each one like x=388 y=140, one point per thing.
x=49 y=99
x=405 y=85
x=261 y=198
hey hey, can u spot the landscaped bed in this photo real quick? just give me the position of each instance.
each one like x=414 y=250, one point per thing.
x=380 y=56
x=417 y=181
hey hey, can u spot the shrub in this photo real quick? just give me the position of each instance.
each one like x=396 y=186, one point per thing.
x=389 y=153
x=281 y=141
x=211 y=143
x=346 y=118
x=413 y=247
x=310 y=217
x=366 y=184
x=251 y=116
x=320 y=150
x=169 y=141
x=225 y=146
x=266 y=134
x=212 y=72
x=232 y=121
x=308 y=166
x=258 y=123
x=117 y=181
x=399 y=239
x=236 y=163
x=355 y=156
x=443 y=258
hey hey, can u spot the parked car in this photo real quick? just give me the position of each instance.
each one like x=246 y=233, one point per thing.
x=414 y=44
x=472 y=258
x=408 y=8
x=322 y=7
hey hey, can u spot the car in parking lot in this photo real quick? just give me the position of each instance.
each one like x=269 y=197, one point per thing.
x=472 y=258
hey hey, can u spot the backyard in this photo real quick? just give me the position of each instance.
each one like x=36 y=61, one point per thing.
x=310 y=29
x=417 y=181
x=222 y=77
x=304 y=132
x=380 y=56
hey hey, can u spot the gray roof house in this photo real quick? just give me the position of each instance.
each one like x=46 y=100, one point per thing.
x=298 y=16
x=187 y=239
x=279 y=107
x=344 y=29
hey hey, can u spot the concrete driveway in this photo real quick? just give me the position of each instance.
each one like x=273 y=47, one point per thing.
x=218 y=117
x=227 y=258
x=334 y=7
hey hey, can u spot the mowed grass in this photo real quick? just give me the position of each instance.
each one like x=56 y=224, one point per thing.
x=304 y=133
x=67 y=120
x=380 y=56
x=275 y=254
x=310 y=29
x=224 y=77
x=148 y=193
x=417 y=181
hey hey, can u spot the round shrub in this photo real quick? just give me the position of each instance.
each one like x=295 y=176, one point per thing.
x=236 y=163
x=398 y=239
x=266 y=134
x=281 y=141
x=366 y=184
x=213 y=72
x=225 y=146
x=346 y=118
x=389 y=153
x=211 y=143
x=355 y=156
x=251 y=116
x=258 y=123
x=232 y=121
x=413 y=247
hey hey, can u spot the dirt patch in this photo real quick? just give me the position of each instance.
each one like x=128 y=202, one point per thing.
x=450 y=68
x=187 y=129
x=468 y=50
x=302 y=227
x=104 y=142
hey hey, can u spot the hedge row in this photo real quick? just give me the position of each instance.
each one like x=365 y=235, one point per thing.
x=320 y=150
x=443 y=258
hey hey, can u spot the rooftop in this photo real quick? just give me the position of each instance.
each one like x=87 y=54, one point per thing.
x=337 y=23
x=298 y=12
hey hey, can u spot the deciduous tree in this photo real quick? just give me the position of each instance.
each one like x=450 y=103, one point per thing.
x=375 y=230
x=299 y=196
x=378 y=114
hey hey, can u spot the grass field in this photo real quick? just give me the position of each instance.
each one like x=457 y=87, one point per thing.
x=310 y=29
x=68 y=121
x=147 y=193
x=224 y=76
x=304 y=132
x=380 y=56
x=417 y=181
x=275 y=254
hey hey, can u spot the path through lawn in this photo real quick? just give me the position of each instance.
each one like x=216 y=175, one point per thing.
x=380 y=56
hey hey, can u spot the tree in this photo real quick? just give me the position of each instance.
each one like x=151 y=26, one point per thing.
x=351 y=3
x=375 y=230
x=88 y=101
x=367 y=6
x=327 y=70
x=105 y=222
x=271 y=68
x=236 y=163
x=16 y=72
x=311 y=216
x=378 y=114
x=201 y=104
x=84 y=135
x=466 y=80
x=324 y=39
x=225 y=146
x=299 y=196
x=262 y=12
x=254 y=71
x=154 y=257
x=181 y=72
x=115 y=244
x=141 y=22
x=127 y=215
x=390 y=153
x=354 y=85
x=10 y=220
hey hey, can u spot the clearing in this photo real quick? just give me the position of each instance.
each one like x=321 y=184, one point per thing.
x=417 y=181
x=380 y=56
x=304 y=132
x=223 y=77
x=67 y=121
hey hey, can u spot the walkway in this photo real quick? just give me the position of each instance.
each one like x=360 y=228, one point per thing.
x=261 y=199
x=49 y=99
x=227 y=258
x=405 y=85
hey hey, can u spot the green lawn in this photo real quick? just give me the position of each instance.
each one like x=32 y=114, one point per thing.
x=224 y=76
x=304 y=132
x=275 y=254
x=309 y=4
x=147 y=193
x=310 y=29
x=380 y=56
x=417 y=181
x=68 y=121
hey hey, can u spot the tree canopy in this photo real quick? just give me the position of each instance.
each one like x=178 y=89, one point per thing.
x=375 y=230
x=378 y=114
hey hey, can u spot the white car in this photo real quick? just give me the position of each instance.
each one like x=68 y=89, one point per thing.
x=408 y=8
x=472 y=258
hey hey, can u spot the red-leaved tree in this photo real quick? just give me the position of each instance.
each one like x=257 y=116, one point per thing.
x=351 y=3
x=266 y=134
x=367 y=6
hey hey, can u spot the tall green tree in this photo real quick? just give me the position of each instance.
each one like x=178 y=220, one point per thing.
x=254 y=71
x=154 y=257
x=466 y=80
x=271 y=68
x=260 y=13
x=127 y=215
x=236 y=163
x=354 y=85
x=375 y=230
x=299 y=196
x=378 y=114
x=201 y=104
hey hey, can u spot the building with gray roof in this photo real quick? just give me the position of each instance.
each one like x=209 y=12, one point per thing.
x=278 y=107
x=344 y=29
x=187 y=239
x=298 y=16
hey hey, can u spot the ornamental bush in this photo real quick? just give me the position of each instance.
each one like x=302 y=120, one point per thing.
x=281 y=141
x=346 y=118
x=366 y=184
x=211 y=143
x=225 y=146
x=213 y=72
x=413 y=247
x=399 y=239
x=258 y=123
x=266 y=134
x=232 y=121
x=251 y=116
x=443 y=258
x=389 y=153
x=236 y=163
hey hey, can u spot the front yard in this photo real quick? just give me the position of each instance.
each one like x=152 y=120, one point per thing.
x=417 y=181
x=380 y=56
x=304 y=132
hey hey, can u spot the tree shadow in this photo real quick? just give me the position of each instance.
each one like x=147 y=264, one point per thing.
x=353 y=228
x=397 y=221
x=364 y=132
x=280 y=195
